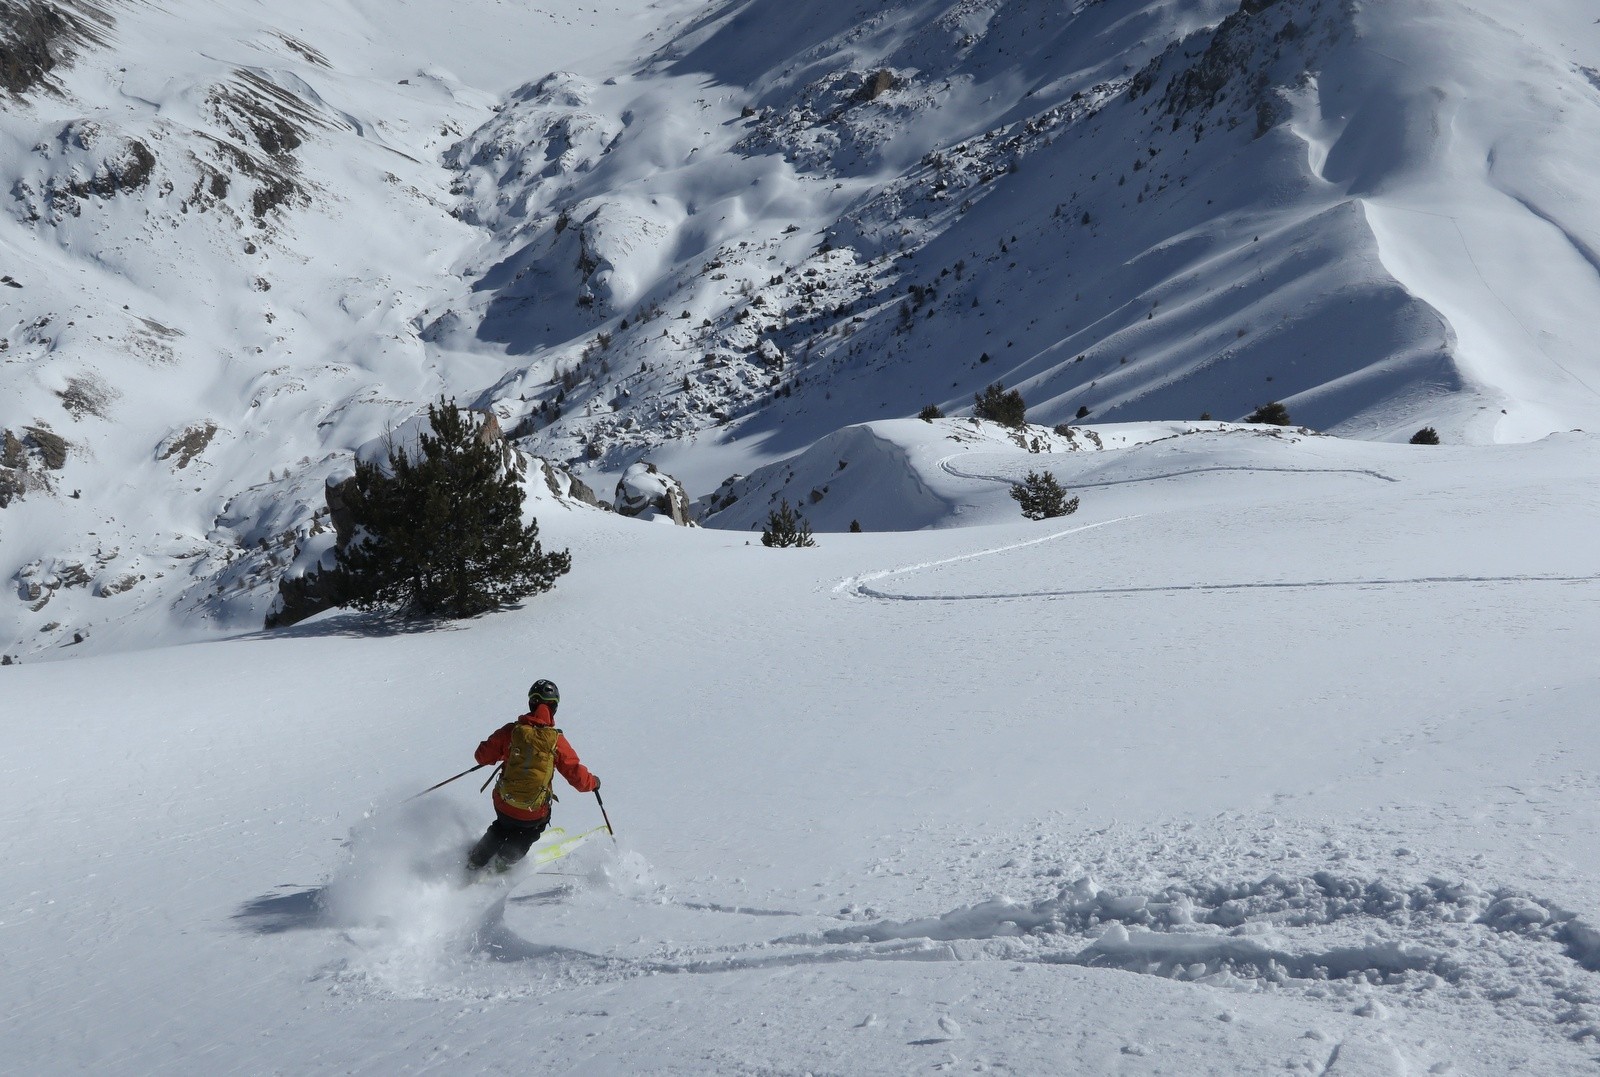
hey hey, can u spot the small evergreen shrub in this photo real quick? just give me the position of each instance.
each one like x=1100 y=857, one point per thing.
x=1426 y=436
x=786 y=527
x=1271 y=412
x=1000 y=406
x=930 y=412
x=1083 y=411
x=1041 y=497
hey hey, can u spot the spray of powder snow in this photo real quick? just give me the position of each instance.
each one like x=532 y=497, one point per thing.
x=618 y=871
x=403 y=896
x=420 y=922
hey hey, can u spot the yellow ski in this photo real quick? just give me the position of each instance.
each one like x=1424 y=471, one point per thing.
x=548 y=850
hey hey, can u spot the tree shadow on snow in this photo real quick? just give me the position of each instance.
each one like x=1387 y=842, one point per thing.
x=273 y=914
x=352 y=624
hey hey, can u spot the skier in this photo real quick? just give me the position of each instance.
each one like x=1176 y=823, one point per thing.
x=531 y=749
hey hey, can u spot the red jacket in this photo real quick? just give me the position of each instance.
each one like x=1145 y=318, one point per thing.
x=577 y=775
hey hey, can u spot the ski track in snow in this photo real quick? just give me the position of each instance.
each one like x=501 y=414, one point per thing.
x=860 y=586
x=1359 y=582
x=857 y=585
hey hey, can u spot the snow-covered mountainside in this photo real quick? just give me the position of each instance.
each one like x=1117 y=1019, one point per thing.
x=1277 y=754
x=1137 y=210
x=242 y=242
x=238 y=244
x=221 y=227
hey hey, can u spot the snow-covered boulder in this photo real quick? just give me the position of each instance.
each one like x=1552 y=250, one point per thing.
x=646 y=492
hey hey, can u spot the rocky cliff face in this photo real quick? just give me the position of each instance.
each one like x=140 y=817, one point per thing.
x=37 y=37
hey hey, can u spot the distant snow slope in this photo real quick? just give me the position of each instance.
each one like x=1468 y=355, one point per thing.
x=1469 y=143
x=240 y=243
x=803 y=216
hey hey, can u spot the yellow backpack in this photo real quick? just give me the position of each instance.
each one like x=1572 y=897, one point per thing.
x=530 y=765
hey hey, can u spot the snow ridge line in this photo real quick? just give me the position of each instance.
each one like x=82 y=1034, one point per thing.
x=949 y=469
x=856 y=586
x=1359 y=471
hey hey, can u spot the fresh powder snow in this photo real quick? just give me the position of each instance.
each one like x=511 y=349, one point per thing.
x=1277 y=755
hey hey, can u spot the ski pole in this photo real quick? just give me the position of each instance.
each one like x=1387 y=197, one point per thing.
x=604 y=816
x=490 y=778
x=447 y=781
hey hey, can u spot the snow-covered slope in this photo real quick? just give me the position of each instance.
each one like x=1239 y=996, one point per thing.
x=1465 y=142
x=1278 y=756
x=907 y=474
x=1147 y=211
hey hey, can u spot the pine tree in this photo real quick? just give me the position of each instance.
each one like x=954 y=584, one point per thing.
x=443 y=532
x=1042 y=497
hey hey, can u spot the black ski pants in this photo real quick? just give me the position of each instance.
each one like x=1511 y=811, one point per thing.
x=507 y=840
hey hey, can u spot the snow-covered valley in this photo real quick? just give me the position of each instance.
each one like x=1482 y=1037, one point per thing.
x=1277 y=756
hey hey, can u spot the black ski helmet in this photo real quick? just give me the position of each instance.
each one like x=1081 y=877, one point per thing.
x=544 y=692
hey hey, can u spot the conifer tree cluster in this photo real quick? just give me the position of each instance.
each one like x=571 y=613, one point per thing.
x=997 y=404
x=786 y=527
x=1272 y=412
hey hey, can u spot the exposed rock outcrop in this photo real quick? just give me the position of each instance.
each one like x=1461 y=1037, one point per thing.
x=184 y=447
x=36 y=38
x=563 y=484
x=25 y=459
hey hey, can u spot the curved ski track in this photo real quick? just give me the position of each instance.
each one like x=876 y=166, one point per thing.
x=860 y=586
